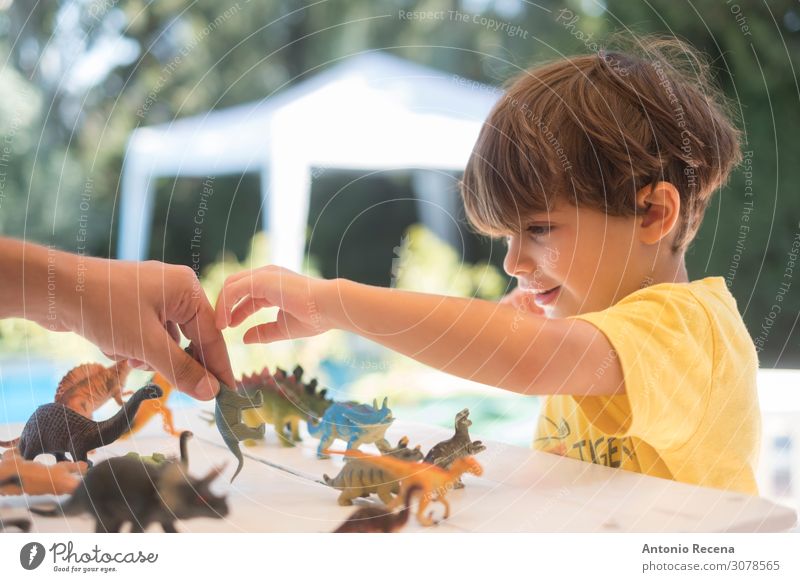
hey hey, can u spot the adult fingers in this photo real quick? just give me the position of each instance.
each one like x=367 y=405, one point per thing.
x=208 y=343
x=164 y=355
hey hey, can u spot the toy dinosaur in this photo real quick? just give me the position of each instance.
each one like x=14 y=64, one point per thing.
x=56 y=429
x=124 y=489
x=460 y=445
x=154 y=407
x=86 y=387
x=434 y=481
x=359 y=478
x=352 y=422
x=286 y=401
x=378 y=518
x=228 y=417
x=19 y=476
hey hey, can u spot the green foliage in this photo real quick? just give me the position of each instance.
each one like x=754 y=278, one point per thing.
x=168 y=59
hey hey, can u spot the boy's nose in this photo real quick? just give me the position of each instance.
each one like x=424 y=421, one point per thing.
x=516 y=262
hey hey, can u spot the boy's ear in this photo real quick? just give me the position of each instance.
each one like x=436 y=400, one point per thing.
x=661 y=204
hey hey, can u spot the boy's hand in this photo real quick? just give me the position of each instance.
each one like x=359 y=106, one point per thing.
x=522 y=300
x=297 y=298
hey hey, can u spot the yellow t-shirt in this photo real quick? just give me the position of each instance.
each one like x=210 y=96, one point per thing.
x=690 y=409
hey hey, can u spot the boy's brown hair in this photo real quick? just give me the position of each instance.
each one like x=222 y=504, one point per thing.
x=594 y=129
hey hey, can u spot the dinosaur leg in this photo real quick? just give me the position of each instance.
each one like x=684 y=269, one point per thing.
x=282 y=438
x=60 y=457
x=441 y=499
x=168 y=527
x=295 y=422
x=346 y=498
x=385 y=494
x=137 y=526
x=324 y=443
x=424 y=520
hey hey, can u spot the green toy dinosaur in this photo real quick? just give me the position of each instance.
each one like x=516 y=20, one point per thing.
x=359 y=478
x=228 y=417
x=286 y=400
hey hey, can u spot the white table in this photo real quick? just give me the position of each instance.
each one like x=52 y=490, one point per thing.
x=280 y=490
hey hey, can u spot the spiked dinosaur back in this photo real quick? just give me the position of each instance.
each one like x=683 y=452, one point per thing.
x=86 y=387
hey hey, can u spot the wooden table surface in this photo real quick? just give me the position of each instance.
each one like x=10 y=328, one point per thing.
x=280 y=490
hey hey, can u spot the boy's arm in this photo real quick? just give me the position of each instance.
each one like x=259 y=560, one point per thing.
x=492 y=343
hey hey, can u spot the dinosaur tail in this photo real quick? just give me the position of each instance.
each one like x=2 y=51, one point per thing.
x=314 y=429
x=69 y=507
x=328 y=481
x=10 y=444
x=233 y=445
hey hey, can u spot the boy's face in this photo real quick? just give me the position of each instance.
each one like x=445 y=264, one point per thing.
x=589 y=258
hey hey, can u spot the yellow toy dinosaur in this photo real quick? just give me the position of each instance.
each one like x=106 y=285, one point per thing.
x=149 y=408
x=433 y=481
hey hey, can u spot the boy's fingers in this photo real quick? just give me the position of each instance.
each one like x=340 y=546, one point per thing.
x=245 y=309
x=232 y=292
x=264 y=334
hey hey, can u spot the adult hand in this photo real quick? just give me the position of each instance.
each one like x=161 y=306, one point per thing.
x=137 y=311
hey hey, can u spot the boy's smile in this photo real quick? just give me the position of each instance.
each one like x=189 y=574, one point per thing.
x=577 y=260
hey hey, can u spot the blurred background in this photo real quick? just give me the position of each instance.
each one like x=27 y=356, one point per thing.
x=329 y=137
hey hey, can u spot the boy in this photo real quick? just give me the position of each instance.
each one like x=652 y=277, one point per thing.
x=597 y=170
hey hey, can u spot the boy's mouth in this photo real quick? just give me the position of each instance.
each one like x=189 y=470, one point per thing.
x=545 y=296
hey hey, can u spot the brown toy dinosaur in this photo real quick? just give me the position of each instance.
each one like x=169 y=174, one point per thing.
x=86 y=387
x=434 y=481
x=56 y=429
x=151 y=408
x=378 y=518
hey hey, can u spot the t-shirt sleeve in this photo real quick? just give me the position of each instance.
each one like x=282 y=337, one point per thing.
x=664 y=342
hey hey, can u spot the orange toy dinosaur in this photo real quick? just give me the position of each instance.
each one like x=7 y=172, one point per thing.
x=86 y=387
x=150 y=408
x=433 y=481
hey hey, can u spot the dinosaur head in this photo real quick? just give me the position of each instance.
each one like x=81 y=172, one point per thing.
x=462 y=419
x=149 y=392
x=185 y=497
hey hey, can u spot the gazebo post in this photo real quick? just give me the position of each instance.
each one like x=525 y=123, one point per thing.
x=437 y=203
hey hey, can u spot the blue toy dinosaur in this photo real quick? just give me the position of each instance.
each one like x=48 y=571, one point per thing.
x=352 y=422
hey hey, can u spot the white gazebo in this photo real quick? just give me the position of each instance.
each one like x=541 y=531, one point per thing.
x=373 y=111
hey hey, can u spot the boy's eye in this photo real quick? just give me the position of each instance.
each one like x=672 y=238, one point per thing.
x=539 y=230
